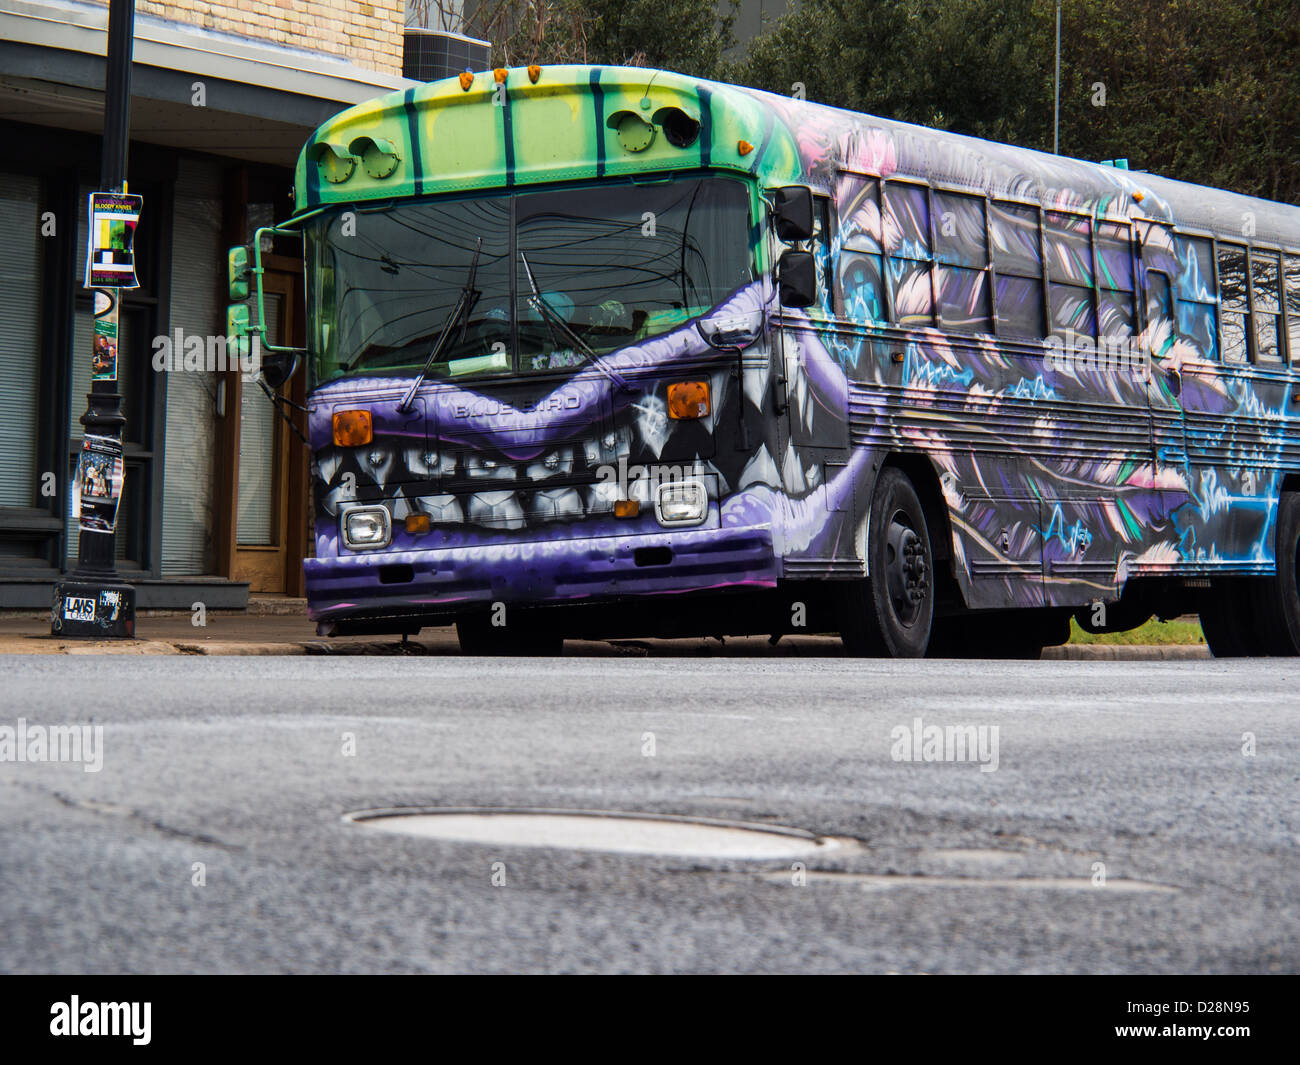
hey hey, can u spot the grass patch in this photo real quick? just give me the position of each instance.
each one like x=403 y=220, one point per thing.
x=1179 y=631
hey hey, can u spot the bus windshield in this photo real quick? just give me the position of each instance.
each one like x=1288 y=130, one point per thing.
x=612 y=264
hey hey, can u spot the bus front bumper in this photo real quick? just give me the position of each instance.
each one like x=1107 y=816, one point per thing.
x=439 y=583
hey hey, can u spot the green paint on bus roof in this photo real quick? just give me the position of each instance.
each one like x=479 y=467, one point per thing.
x=561 y=128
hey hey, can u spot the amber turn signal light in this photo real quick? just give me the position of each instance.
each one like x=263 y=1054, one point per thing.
x=352 y=428
x=688 y=399
x=417 y=523
x=627 y=508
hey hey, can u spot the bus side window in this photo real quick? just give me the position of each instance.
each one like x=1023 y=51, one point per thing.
x=1234 y=311
x=1116 y=312
x=961 y=256
x=907 y=240
x=1265 y=277
x=861 y=265
x=821 y=249
x=1198 y=311
x=1291 y=270
x=1070 y=274
x=1018 y=263
x=1159 y=309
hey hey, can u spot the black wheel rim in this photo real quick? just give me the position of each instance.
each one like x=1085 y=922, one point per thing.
x=907 y=569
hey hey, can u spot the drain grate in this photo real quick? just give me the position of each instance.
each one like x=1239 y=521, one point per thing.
x=610 y=832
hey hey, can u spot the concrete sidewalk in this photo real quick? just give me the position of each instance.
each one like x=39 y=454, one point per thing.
x=275 y=625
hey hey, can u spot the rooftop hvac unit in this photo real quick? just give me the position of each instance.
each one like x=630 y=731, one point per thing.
x=428 y=55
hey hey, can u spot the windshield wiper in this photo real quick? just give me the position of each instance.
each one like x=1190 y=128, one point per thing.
x=464 y=305
x=555 y=322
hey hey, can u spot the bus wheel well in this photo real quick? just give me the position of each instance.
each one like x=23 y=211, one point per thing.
x=921 y=472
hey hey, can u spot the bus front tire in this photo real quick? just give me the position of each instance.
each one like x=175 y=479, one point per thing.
x=890 y=614
x=478 y=636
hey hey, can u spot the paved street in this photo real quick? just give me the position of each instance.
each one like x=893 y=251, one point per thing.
x=1131 y=770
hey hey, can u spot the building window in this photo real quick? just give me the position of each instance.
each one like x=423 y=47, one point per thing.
x=1197 y=308
x=907 y=242
x=962 y=263
x=1070 y=274
x=1018 y=265
x=1234 y=310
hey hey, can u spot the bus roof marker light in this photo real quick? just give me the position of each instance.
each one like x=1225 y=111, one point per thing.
x=466 y=80
x=534 y=72
x=499 y=75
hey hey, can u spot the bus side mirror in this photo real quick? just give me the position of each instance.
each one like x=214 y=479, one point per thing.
x=237 y=330
x=238 y=273
x=792 y=211
x=796 y=278
x=278 y=367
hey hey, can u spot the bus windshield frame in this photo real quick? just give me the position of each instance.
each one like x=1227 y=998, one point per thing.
x=615 y=263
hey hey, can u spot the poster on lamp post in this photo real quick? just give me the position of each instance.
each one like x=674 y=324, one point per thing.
x=99 y=483
x=110 y=257
x=103 y=358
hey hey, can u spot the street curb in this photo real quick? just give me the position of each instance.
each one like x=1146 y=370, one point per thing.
x=44 y=645
x=1118 y=652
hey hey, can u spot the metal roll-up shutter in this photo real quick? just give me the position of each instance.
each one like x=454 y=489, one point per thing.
x=198 y=263
x=20 y=310
x=257 y=424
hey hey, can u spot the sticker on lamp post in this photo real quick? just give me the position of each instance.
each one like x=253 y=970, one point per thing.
x=110 y=257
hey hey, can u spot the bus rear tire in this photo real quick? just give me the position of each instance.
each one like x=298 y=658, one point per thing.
x=1276 y=599
x=890 y=614
x=1228 y=619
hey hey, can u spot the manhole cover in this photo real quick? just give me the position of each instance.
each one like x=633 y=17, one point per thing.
x=615 y=833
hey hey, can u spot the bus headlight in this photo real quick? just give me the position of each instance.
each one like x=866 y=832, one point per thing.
x=366 y=528
x=681 y=503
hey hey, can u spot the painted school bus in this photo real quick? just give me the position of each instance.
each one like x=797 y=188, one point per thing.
x=608 y=350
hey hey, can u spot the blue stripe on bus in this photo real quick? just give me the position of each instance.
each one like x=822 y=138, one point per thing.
x=413 y=128
x=508 y=132
x=706 y=126
x=598 y=102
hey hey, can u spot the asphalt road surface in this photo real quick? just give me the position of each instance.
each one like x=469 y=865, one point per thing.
x=1142 y=817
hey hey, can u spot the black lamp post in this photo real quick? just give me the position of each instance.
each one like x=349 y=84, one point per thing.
x=94 y=601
